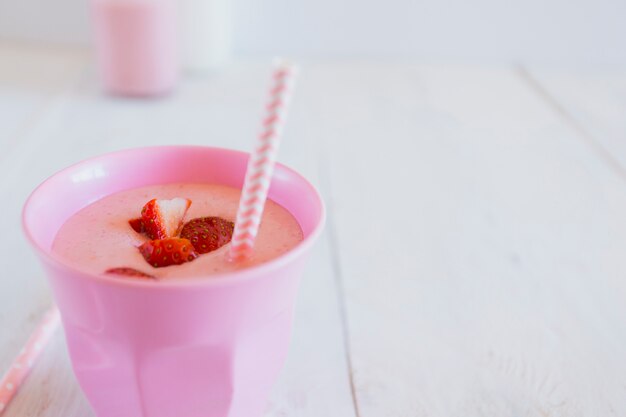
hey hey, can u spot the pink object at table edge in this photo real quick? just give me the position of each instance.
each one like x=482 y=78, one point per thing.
x=21 y=366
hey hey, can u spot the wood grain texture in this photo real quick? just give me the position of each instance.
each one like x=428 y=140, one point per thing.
x=593 y=101
x=480 y=240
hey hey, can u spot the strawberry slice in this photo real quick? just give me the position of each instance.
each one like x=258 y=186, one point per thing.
x=128 y=272
x=162 y=219
x=166 y=252
x=137 y=225
x=208 y=233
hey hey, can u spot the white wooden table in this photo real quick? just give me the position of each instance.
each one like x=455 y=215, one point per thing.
x=474 y=263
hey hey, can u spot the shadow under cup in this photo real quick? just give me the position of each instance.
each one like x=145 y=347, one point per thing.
x=179 y=348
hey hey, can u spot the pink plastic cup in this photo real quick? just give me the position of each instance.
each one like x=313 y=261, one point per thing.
x=182 y=348
x=137 y=45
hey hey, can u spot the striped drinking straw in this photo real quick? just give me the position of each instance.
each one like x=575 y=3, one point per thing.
x=261 y=163
x=17 y=373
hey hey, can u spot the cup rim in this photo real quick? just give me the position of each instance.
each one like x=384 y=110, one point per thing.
x=219 y=279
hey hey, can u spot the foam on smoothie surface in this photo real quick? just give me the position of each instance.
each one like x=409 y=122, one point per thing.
x=99 y=237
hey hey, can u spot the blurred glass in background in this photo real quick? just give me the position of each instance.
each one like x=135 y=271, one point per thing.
x=138 y=40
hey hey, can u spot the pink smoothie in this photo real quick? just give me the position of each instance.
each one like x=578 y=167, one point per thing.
x=99 y=237
x=136 y=44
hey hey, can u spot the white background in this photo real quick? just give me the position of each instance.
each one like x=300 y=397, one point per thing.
x=553 y=32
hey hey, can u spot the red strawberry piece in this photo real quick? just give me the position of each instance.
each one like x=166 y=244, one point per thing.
x=166 y=252
x=128 y=272
x=208 y=233
x=137 y=225
x=162 y=219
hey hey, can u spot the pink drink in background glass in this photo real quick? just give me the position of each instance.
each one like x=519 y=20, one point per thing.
x=99 y=237
x=183 y=347
x=136 y=45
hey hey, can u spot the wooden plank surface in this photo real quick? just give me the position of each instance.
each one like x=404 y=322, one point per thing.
x=593 y=101
x=30 y=77
x=472 y=265
x=481 y=242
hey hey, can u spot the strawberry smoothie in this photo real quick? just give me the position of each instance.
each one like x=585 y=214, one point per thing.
x=100 y=238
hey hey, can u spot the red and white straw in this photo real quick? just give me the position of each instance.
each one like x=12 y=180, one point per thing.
x=261 y=163
x=15 y=376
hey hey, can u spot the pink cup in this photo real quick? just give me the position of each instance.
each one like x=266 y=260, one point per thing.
x=137 y=45
x=187 y=348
